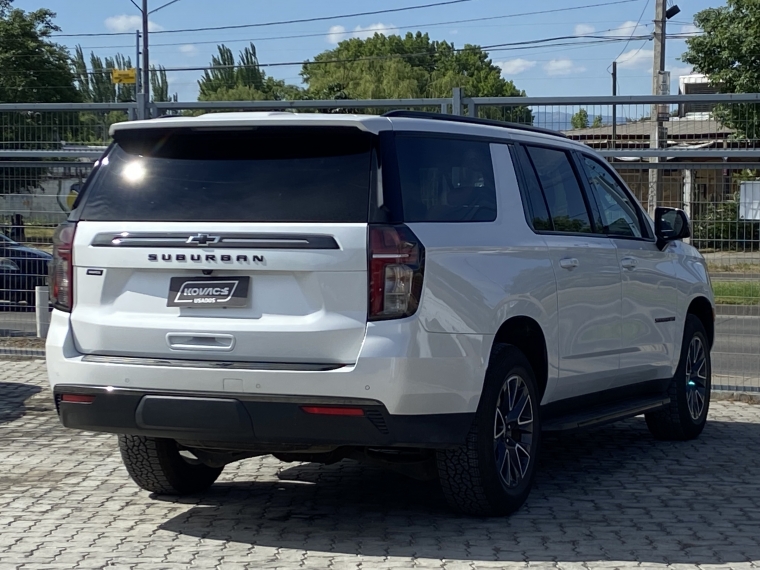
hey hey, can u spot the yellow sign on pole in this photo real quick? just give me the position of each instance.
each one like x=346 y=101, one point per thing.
x=124 y=75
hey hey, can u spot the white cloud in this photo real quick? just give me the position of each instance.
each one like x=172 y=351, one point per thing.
x=515 y=66
x=690 y=29
x=678 y=71
x=584 y=29
x=337 y=34
x=372 y=29
x=636 y=59
x=188 y=49
x=629 y=28
x=129 y=23
x=558 y=67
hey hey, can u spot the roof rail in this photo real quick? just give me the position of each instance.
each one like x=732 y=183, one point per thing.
x=471 y=120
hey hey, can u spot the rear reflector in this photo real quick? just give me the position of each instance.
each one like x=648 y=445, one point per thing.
x=77 y=398
x=332 y=411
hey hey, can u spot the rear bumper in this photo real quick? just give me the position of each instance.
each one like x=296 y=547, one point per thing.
x=250 y=422
x=404 y=368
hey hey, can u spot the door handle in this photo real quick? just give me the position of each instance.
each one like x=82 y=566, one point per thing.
x=568 y=263
x=629 y=262
x=200 y=341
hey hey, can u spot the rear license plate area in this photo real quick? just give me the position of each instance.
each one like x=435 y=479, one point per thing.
x=208 y=292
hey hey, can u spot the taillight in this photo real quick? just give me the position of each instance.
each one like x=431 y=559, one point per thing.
x=396 y=267
x=62 y=267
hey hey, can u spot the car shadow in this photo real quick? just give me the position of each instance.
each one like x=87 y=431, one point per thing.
x=13 y=397
x=611 y=494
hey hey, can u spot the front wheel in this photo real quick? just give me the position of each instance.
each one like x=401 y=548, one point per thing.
x=689 y=389
x=157 y=466
x=491 y=475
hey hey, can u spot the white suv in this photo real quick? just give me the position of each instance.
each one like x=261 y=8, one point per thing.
x=425 y=292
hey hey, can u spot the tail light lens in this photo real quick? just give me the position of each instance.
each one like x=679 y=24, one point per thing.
x=396 y=267
x=62 y=267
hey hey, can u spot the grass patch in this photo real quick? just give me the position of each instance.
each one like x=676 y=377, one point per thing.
x=733 y=268
x=39 y=233
x=736 y=292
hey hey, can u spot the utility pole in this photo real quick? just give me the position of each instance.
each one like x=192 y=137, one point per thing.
x=146 y=57
x=139 y=96
x=614 y=106
x=658 y=67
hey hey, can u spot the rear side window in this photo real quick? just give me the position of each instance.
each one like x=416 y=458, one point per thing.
x=445 y=179
x=261 y=174
x=538 y=214
x=563 y=193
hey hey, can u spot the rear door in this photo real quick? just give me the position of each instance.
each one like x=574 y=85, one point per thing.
x=245 y=244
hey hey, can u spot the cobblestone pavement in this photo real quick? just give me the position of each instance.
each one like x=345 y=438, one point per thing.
x=609 y=498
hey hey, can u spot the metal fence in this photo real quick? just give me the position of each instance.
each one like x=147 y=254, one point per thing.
x=695 y=155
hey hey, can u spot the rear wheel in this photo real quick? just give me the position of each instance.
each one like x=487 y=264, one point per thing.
x=689 y=389
x=157 y=466
x=493 y=472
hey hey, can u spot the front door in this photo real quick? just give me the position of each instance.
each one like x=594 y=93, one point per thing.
x=649 y=295
x=586 y=269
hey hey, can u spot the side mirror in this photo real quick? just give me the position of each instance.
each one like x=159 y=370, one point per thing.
x=670 y=224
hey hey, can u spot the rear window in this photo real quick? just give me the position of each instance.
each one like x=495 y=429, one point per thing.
x=446 y=180
x=259 y=174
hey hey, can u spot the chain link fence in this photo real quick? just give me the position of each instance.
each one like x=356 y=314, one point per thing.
x=705 y=151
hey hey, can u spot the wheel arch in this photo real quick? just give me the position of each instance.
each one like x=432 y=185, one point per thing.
x=701 y=308
x=525 y=334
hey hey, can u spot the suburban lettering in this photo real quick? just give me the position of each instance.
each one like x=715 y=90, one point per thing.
x=210 y=258
x=152 y=257
x=181 y=257
x=226 y=258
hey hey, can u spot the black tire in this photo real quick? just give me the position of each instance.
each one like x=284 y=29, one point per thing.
x=157 y=466
x=472 y=477
x=686 y=415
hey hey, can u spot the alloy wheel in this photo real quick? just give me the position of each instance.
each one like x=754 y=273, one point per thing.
x=696 y=378
x=513 y=431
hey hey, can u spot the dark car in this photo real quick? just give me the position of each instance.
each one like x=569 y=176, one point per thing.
x=21 y=270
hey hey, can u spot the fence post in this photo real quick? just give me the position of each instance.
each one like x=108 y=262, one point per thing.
x=472 y=110
x=42 y=310
x=456 y=101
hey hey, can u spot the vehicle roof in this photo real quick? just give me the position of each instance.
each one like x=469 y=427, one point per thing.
x=369 y=123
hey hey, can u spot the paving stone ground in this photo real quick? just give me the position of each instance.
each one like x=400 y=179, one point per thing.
x=608 y=498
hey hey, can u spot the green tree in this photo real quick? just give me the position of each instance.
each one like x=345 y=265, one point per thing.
x=94 y=82
x=598 y=122
x=580 y=119
x=241 y=80
x=159 y=85
x=727 y=53
x=33 y=69
x=413 y=66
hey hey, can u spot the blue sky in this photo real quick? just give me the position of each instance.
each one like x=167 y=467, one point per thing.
x=541 y=71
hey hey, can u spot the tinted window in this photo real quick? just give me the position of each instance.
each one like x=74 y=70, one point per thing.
x=618 y=214
x=446 y=180
x=533 y=197
x=563 y=194
x=266 y=174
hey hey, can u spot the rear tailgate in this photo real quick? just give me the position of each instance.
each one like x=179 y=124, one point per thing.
x=242 y=245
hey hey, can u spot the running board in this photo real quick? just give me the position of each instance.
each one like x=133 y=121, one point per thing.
x=605 y=414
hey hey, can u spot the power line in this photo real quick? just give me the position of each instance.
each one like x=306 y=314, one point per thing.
x=347 y=32
x=625 y=47
x=277 y=23
x=162 y=6
x=410 y=26
x=509 y=46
